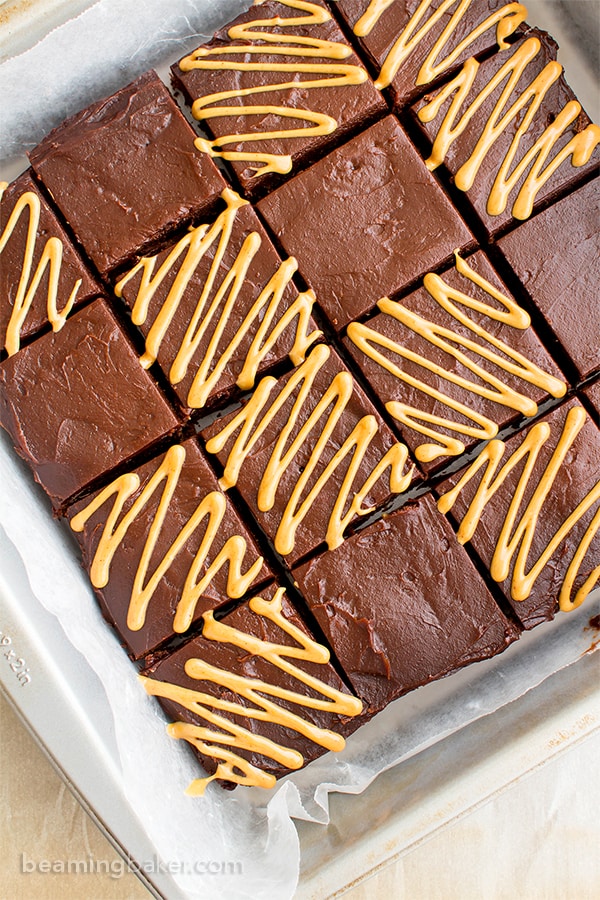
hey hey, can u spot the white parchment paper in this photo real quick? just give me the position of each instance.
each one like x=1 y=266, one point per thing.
x=104 y=48
x=109 y=44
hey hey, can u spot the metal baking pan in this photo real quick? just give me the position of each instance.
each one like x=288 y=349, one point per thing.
x=60 y=699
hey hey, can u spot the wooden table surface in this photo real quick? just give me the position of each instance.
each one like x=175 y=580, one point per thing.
x=539 y=840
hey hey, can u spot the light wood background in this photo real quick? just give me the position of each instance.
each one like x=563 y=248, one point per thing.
x=539 y=840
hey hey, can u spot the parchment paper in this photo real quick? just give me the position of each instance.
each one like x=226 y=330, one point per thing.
x=89 y=57
x=106 y=46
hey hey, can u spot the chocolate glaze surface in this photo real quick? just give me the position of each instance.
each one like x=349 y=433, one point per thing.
x=402 y=604
x=577 y=476
x=313 y=528
x=350 y=105
x=393 y=22
x=125 y=171
x=77 y=403
x=72 y=267
x=391 y=388
x=263 y=266
x=234 y=659
x=556 y=256
x=365 y=221
x=556 y=98
x=195 y=482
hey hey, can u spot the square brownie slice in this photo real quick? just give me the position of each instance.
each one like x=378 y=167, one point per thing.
x=530 y=508
x=365 y=222
x=124 y=172
x=255 y=695
x=556 y=256
x=510 y=132
x=162 y=544
x=402 y=604
x=42 y=276
x=77 y=403
x=219 y=307
x=414 y=44
x=455 y=361
x=273 y=87
x=309 y=453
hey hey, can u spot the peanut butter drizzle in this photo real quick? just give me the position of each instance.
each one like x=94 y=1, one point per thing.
x=489 y=386
x=580 y=147
x=188 y=254
x=272 y=44
x=50 y=259
x=332 y=404
x=523 y=529
x=221 y=730
x=212 y=507
x=506 y=19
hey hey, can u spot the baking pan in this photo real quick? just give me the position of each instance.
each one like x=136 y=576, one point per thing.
x=61 y=700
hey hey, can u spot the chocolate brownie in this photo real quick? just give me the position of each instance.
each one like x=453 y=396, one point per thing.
x=124 y=172
x=530 y=507
x=219 y=307
x=275 y=712
x=163 y=544
x=42 y=277
x=455 y=361
x=413 y=45
x=510 y=132
x=365 y=222
x=402 y=604
x=274 y=86
x=556 y=256
x=77 y=403
x=309 y=453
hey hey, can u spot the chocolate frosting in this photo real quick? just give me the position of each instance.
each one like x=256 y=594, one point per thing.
x=262 y=267
x=349 y=105
x=402 y=604
x=556 y=255
x=72 y=267
x=392 y=24
x=312 y=530
x=125 y=171
x=365 y=221
x=239 y=661
x=558 y=95
x=578 y=475
x=77 y=403
x=388 y=387
x=195 y=482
